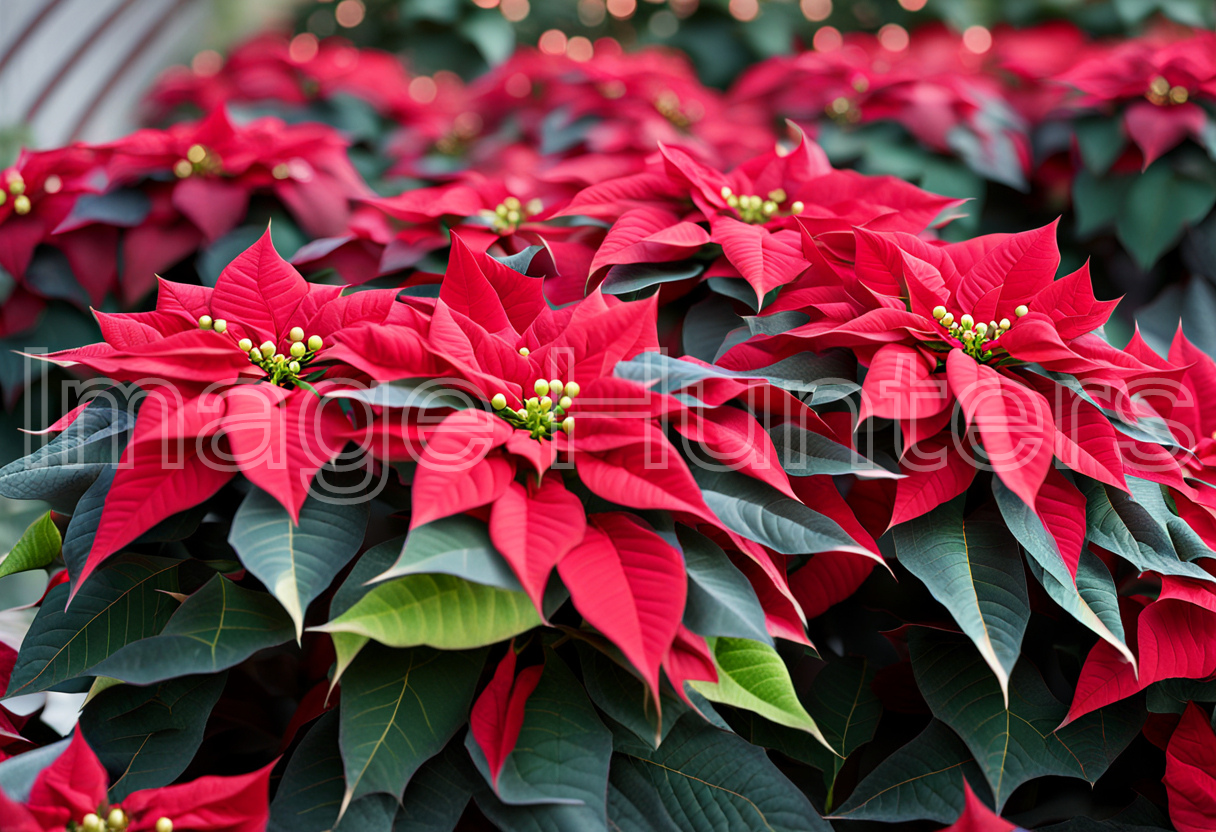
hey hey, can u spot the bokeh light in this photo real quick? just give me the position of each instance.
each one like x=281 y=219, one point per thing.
x=816 y=10
x=977 y=39
x=591 y=12
x=827 y=39
x=515 y=10
x=893 y=37
x=553 y=42
x=580 y=49
x=622 y=9
x=423 y=89
x=208 y=62
x=303 y=47
x=744 y=9
x=349 y=13
x=913 y=5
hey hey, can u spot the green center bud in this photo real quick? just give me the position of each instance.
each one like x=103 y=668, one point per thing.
x=296 y=334
x=315 y=343
x=499 y=401
x=244 y=345
x=117 y=818
x=1004 y=324
x=298 y=350
x=267 y=349
x=568 y=424
x=556 y=387
x=90 y=822
x=565 y=403
x=294 y=366
x=967 y=321
x=205 y=322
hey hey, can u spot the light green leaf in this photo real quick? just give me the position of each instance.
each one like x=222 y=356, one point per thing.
x=441 y=611
x=37 y=548
x=752 y=676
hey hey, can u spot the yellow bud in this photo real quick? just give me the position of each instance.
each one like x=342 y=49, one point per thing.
x=777 y=195
x=267 y=349
x=205 y=322
x=164 y=825
x=967 y=321
x=513 y=216
x=565 y=403
x=255 y=354
x=726 y=192
x=245 y=345
x=196 y=153
x=1159 y=86
x=546 y=403
x=556 y=387
x=1021 y=310
x=294 y=366
x=22 y=204
x=939 y=312
x=499 y=401
x=568 y=424
x=3 y=197
x=1179 y=95
x=117 y=818
x=220 y=325
x=797 y=207
x=948 y=319
x=1004 y=324
x=279 y=358
x=572 y=388
x=298 y=350
x=732 y=201
x=182 y=168
x=512 y=203
x=315 y=343
x=534 y=206
x=16 y=187
x=501 y=210
x=91 y=822
x=523 y=413
x=296 y=334
x=281 y=171
x=541 y=387
x=524 y=351
x=769 y=207
x=968 y=336
x=981 y=328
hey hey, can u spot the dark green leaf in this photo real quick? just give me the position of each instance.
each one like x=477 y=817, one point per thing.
x=399 y=708
x=459 y=545
x=633 y=277
x=1160 y=205
x=145 y=737
x=804 y=453
x=1101 y=140
x=1020 y=742
x=297 y=562
x=721 y=601
x=437 y=794
x=618 y=692
x=973 y=567
x=123 y=602
x=17 y=774
x=217 y=627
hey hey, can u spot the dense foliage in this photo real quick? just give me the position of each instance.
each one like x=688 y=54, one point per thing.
x=580 y=447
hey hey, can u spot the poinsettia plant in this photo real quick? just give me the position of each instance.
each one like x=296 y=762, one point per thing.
x=612 y=460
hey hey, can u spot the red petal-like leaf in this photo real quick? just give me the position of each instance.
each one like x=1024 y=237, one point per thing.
x=1190 y=772
x=534 y=528
x=208 y=804
x=258 y=292
x=498 y=714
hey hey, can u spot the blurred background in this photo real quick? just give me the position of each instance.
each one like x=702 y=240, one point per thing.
x=75 y=69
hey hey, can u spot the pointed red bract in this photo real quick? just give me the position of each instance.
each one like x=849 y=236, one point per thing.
x=977 y=817
x=498 y=713
x=534 y=528
x=1190 y=772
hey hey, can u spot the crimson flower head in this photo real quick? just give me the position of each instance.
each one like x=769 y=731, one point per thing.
x=561 y=449
x=939 y=324
x=753 y=212
x=69 y=795
x=1160 y=85
x=233 y=378
x=219 y=165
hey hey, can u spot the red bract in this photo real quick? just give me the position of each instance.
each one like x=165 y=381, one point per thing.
x=753 y=212
x=1190 y=772
x=1158 y=83
x=217 y=167
x=73 y=787
x=212 y=408
x=939 y=324
x=37 y=196
x=977 y=817
x=498 y=713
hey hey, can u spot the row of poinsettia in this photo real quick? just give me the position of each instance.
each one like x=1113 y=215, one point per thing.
x=604 y=546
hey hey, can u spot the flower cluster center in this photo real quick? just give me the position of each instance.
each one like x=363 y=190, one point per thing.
x=1162 y=94
x=545 y=413
x=668 y=105
x=199 y=161
x=509 y=213
x=843 y=110
x=283 y=370
x=14 y=186
x=116 y=820
x=753 y=209
x=978 y=339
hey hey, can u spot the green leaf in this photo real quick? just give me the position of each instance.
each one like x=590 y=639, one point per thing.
x=1171 y=696
x=847 y=712
x=459 y=545
x=310 y=792
x=973 y=568
x=761 y=513
x=1119 y=524
x=706 y=325
x=634 y=277
x=1160 y=205
x=1091 y=599
x=297 y=562
x=921 y=781
x=721 y=601
x=145 y=737
x=424 y=393
x=618 y=692
x=38 y=547
x=633 y=806
x=123 y=602
x=357 y=584
x=1101 y=140
x=713 y=781
x=441 y=611
x=1020 y=742
x=437 y=794
x=1098 y=201
x=217 y=627
x=400 y=708
x=17 y=774
x=63 y=469
x=804 y=453
x=752 y=676
x=561 y=757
